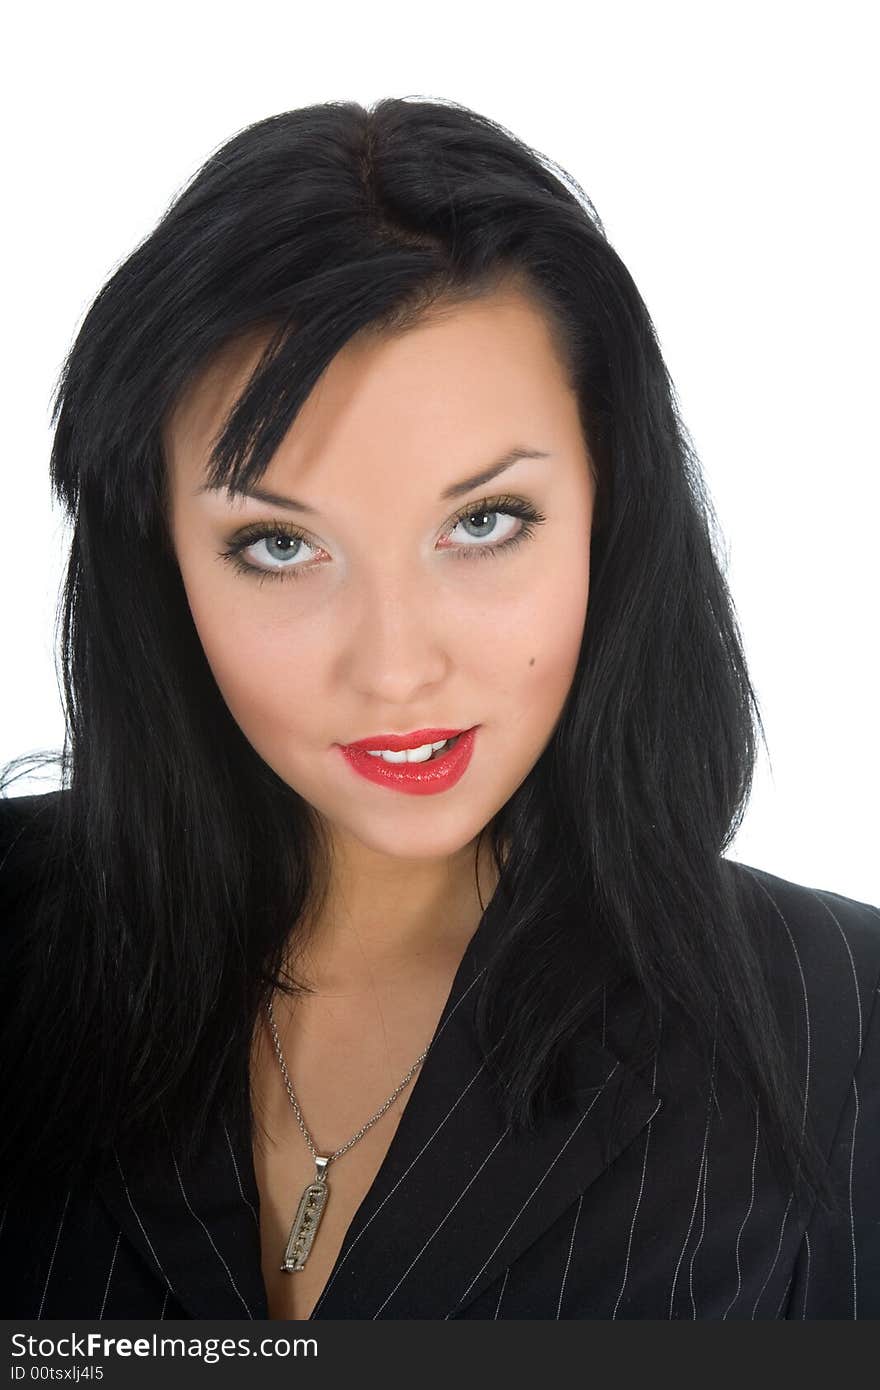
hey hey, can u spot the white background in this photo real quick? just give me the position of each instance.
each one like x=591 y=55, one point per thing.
x=731 y=154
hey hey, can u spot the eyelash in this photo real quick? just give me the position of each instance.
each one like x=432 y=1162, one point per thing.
x=503 y=506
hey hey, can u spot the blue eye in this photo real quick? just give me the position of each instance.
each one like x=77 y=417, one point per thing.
x=484 y=515
x=289 y=541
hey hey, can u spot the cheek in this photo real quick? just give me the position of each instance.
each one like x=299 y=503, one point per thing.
x=260 y=671
x=528 y=642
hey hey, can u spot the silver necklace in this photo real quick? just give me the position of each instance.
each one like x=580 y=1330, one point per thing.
x=313 y=1201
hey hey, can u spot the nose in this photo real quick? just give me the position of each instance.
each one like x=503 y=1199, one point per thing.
x=398 y=642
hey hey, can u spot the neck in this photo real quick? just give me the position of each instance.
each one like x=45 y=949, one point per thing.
x=392 y=919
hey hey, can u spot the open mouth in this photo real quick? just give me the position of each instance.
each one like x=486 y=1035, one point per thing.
x=437 y=753
x=441 y=769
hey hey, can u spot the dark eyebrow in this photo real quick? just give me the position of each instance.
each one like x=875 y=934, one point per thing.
x=274 y=499
x=506 y=461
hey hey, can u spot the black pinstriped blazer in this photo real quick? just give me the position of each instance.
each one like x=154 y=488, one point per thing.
x=679 y=1218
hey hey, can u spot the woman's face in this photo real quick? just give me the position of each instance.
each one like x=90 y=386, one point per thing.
x=387 y=607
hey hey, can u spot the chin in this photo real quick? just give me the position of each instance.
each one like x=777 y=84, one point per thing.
x=405 y=841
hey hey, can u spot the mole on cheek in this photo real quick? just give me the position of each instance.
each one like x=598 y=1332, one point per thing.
x=532 y=662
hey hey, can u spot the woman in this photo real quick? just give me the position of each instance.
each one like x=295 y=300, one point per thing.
x=379 y=957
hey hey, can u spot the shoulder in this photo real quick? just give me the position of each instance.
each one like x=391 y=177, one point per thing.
x=823 y=950
x=821 y=954
x=24 y=819
x=17 y=812
x=825 y=935
x=26 y=824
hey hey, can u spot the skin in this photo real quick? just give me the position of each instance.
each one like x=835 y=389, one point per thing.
x=392 y=624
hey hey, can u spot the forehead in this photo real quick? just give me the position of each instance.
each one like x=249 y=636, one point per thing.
x=471 y=369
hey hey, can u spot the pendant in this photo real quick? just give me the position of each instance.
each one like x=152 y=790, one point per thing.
x=307 y=1220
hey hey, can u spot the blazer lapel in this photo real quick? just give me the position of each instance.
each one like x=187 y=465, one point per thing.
x=199 y=1230
x=456 y=1199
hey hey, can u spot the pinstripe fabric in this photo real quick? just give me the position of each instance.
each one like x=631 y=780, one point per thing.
x=672 y=1211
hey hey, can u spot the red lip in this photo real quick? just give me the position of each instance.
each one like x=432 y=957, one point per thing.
x=396 y=743
x=417 y=779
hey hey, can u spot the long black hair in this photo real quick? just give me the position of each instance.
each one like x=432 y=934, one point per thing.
x=176 y=864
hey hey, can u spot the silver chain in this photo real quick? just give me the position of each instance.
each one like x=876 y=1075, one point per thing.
x=362 y=1131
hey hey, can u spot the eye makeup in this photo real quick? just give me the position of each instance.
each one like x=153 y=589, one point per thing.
x=249 y=536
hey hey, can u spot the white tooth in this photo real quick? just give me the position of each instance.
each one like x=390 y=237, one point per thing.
x=408 y=755
x=419 y=755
